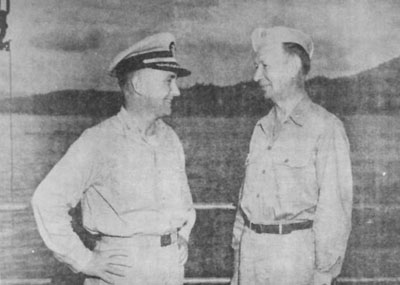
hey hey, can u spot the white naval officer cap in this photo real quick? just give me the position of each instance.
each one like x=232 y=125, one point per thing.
x=262 y=37
x=156 y=52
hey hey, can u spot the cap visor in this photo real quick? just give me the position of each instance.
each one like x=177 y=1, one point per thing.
x=180 y=72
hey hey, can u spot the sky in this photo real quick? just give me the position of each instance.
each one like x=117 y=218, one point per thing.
x=68 y=44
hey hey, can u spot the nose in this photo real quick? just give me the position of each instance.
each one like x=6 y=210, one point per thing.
x=174 y=89
x=258 y=74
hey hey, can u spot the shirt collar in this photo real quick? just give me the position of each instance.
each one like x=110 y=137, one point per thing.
x=300 y=111
x=298 y=115
x=130 y=123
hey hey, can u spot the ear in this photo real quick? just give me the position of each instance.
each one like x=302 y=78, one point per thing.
x=136 y=83
x=294 y=65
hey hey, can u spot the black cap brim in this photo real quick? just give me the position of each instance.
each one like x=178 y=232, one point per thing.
x=180 y=71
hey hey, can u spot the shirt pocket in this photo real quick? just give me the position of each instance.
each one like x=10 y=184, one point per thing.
x=294 y=159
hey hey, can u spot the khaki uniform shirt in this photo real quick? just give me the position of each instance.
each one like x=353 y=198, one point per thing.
x=300 y=170
x=127 y=186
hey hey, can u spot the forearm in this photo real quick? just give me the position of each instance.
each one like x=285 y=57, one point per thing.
x=332 y=223
x=56 y=231
x=331 y=241
x=61 y=190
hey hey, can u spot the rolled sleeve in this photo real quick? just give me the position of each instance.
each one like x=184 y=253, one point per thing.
x=332 y=222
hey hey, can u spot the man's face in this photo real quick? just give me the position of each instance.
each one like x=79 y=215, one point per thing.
x=273 y=71
x=158 y=88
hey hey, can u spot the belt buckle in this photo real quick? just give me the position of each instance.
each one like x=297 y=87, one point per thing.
x=285 y=230
x=165 y=240
x=256 y=228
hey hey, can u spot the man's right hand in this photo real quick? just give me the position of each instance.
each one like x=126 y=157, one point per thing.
x=107 y=265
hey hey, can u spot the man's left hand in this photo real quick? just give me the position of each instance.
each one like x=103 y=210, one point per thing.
x=183 y=250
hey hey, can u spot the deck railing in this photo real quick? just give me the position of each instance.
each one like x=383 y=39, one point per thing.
x=7 y=207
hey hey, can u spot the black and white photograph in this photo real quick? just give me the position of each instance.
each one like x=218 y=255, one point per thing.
x=171 y=142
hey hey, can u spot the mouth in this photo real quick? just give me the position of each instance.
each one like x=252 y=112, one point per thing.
x=264 y=83
x=168 y=101
x=265 y=86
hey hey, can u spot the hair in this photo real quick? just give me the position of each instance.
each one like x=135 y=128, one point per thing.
x=123 y=80
x=296 y=49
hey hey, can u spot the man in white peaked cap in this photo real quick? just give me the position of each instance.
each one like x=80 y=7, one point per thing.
x=128 y=172
x=294 y=213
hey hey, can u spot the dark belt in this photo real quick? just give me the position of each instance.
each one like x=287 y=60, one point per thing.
x=142 y=240
x=280 y=229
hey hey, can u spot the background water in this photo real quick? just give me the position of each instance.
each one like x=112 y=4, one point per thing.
x=215 y=151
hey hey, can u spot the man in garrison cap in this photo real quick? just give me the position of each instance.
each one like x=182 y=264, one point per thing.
x=294 y=212
x=128 y=172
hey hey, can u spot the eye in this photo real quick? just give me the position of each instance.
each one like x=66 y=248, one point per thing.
x=170 y=79
x=256 y=65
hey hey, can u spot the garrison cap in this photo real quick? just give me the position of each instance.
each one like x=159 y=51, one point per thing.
x=156 y=52
x=263 y=37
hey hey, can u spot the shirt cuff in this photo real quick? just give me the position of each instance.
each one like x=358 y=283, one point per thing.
x=80 y=259
x=331 y=269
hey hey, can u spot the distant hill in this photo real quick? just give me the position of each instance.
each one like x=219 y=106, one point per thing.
x=66 y=102
x=373 y=91
x=199 y=100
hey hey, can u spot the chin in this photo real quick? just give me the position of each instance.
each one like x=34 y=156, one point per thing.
x=166 y=113
x=267 y=94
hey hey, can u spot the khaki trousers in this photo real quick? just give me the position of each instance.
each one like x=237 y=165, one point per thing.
x=151 y=263
x=271 y=259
